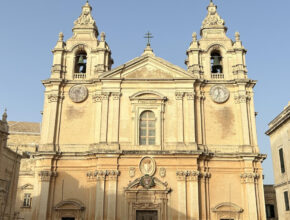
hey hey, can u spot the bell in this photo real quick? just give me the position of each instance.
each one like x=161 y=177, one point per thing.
x=216 y=61
x=81 y=60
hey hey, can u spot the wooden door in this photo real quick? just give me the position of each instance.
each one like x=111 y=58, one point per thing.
x=147 y=215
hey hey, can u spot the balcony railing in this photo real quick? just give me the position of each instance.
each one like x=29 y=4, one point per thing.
x=79 y=75
x=217 y=76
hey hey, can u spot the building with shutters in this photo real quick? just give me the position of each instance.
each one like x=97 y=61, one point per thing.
x=279 y=133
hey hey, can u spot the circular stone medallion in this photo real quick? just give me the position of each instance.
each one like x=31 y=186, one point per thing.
x=219 y=93
x=147 y=166
x=78 y=93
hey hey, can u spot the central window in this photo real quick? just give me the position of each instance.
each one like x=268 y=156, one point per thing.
x=147 y=128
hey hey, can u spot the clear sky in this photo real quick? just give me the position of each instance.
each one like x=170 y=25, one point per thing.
x=29 y=31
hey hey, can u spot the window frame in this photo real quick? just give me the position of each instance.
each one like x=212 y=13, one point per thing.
x=286 y=200
x=151 y=101
x=148 y=128
x=27 y=200
x=281 y=160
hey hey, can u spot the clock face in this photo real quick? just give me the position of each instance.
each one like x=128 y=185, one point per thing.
x=78 y=93
x=219 y=93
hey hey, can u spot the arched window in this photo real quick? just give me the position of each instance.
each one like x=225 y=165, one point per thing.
x=81 y=62
x=147 y=128
x=216 y=62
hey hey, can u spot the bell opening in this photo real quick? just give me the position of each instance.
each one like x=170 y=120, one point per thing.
x=216 y=62
x=81 y=62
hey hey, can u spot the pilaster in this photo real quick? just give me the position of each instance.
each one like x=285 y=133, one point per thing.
x=191 y=118
x=100 y=193
x=44 y=182
x=192 y=179
x=112 y=178
x=179 y=112
x=249 y=179
x=104 y=117
x=241 y=99
x=97 y=99
x=53 y=100
x=181 y=192
x=115 y=118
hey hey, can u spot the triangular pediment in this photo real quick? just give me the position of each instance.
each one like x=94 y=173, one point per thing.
x=147 y=67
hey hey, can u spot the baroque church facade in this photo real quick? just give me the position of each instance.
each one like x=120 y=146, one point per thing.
x=147 y=139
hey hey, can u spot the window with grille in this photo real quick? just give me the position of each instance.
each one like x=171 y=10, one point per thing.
x=27 y=200
x=147 y=128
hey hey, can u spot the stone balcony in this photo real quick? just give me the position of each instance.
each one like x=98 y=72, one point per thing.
x=79 y=75
x=217 y=76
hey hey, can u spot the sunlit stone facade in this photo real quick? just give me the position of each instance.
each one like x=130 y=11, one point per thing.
x=147 y=138
x=279 y=133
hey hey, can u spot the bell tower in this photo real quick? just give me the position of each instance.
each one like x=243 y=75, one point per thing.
x=79 y=60
x=215 y=56
x=224 y=92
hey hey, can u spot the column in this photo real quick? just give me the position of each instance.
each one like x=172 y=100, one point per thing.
x=248 y=179
x=191 y=117
x=100 y=194
x=44 y=182
x=179 y=114
x=112 y=194
x=193 y=193
x=104 y=117
x=181 y=192
x=116 y=117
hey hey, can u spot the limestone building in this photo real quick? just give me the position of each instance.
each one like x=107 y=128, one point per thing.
x=9 y=170
x=147 y=139
x=279 y=133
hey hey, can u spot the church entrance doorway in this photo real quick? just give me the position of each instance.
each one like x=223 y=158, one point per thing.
x=146 y=215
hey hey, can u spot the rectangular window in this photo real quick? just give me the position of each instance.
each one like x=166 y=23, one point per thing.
x=282 y=165
x=27 y=200
x=270 y=211
x=286 y=198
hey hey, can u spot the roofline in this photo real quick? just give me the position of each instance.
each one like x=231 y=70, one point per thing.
x=279 y=120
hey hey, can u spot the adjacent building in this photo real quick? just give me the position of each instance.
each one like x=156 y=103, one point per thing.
x=9 y=170
x=279 y=133
x=147 y=139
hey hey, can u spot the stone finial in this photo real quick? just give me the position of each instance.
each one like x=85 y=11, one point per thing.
x=237 y=36
x=194 y=37
x=103 y=36
x=213 y=20
x=85 y=20
x=4 y=116
x=60 y=37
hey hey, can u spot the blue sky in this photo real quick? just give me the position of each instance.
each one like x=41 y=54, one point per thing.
x=29 y=31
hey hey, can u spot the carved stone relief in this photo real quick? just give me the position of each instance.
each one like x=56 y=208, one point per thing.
x=132 y=171
x=147 y=166
x=162 y=172
x=249 y=177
